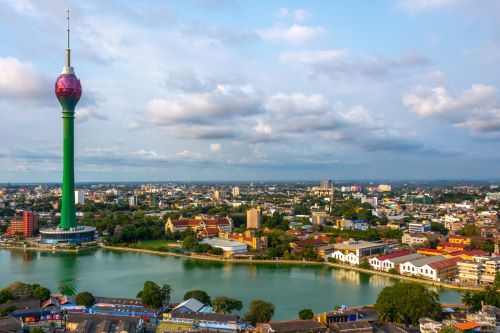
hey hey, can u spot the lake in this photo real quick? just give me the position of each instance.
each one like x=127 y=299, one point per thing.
x=121 y=274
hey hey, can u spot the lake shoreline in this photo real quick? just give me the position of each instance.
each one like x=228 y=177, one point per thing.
x=259 y=261
x=298 y=262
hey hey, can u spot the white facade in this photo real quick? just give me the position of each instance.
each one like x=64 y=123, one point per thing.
x=387 y=264
x=79 y=198
x=132 y=201
x=235 y=191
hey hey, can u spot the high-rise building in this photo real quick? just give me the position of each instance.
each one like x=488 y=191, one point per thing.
x=25 y=227
x=235 y=191
x=253 y=218
x=326 y=184
x=219 y=194
x=132 y=201
x=79 y=198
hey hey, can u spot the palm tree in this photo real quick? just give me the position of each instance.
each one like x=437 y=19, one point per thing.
x=467 y=299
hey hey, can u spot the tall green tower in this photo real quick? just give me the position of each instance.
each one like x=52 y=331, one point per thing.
x=68 y=91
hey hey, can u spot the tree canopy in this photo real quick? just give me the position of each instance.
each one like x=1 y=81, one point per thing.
x=306 y=314
x=259 y=312
x=85 y=298
x=224 y=304
x=406 y=302
x=153 y=295
x=200 y=295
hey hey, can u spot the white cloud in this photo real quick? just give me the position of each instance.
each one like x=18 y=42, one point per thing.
x=215 y=147
x=430 y=102
x=20 y=80
x=334 y=63
x=295 y=34
x=476 y=108
x=225 y=101
x=20 y=6
x=84 y=114
x=420 y=5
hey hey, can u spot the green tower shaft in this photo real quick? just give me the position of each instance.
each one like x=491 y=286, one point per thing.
x=68 y=211
x=68 y=91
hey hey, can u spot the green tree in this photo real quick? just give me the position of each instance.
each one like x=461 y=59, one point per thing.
x=407 y=302
x=190 y=242
x=19 y=289
x=39 y=292
x=5 y=295
x=490 y=296
x=200 y=295
x=467 y=299
x=259 y=311
x=488 y=246
x=365 y=265
x=226 y=304
x=393 y=271
x=497 y=280
x=217 y=251
x=306 y=314
x=85 y=298
x=153 y=295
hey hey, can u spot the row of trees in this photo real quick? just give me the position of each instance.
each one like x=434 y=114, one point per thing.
x=155 y=295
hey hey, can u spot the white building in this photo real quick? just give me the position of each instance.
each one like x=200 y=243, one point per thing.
x=353 y=252
x=229 y=247
x=392 y=260
x=132 y=201
x=435 y=268
x=79 y=197
x=235 y=191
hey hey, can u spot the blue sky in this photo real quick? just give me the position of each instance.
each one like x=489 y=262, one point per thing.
x=254 y=90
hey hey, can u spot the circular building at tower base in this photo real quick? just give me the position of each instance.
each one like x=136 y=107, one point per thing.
x=76 y=235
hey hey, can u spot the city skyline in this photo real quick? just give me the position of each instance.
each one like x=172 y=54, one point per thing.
x=230 y=90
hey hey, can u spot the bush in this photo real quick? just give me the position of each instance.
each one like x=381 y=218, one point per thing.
x=259 y=312
x=306 y=314
x=85 y=298
x=393 y=271
x=364 y=265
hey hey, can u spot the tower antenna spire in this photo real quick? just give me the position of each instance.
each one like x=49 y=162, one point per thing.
x=68 y=50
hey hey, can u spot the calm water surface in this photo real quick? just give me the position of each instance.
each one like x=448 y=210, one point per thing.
x=113 y=273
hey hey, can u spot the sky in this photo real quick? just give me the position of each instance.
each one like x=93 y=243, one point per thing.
x=253 y=90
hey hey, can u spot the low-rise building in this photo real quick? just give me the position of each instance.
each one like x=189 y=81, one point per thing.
x=415 y=239
x=392 y=260
x=354 y=252
x=203 y=225
x=229 y=247
x=352 y=327
x=437 y=268
x=297 y=326
x=80 y=322
x=254 y=242
x=209 y=321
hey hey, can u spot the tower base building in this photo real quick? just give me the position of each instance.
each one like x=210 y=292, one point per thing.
x=76 y=235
